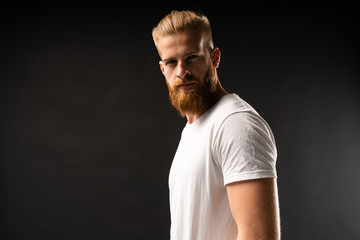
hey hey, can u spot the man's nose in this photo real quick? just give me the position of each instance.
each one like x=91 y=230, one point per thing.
x=182 y=71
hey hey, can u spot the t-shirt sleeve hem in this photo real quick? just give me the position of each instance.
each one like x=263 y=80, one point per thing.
x=250 y=176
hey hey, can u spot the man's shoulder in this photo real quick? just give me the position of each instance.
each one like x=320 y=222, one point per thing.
x=230 y=104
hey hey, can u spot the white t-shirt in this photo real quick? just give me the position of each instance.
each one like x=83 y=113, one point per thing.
x=229 y=143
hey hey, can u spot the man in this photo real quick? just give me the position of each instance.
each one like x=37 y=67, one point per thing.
x=223 y=179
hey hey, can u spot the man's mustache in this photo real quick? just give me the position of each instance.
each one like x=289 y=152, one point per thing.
x=181 y=82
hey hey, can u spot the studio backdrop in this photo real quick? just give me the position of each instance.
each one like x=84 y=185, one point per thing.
x=88 y=133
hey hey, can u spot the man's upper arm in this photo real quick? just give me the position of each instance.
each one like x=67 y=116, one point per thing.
x=246 y=152
x=245 y=148
x=255 y=208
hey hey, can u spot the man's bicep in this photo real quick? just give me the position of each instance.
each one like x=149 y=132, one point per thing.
x=255 y=209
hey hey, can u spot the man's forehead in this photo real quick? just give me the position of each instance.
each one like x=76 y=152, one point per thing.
x=180 y=43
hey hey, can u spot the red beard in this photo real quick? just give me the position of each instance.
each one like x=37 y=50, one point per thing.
x=196 y=100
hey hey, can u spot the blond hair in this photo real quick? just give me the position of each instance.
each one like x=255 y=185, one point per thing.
x=181 y=21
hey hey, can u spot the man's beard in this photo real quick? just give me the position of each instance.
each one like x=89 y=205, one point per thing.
x=196 y=100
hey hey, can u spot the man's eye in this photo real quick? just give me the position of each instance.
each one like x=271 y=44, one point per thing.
x=171 y=62
x=191 y=57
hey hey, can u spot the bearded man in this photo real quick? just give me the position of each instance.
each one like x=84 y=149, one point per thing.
x=222 y=179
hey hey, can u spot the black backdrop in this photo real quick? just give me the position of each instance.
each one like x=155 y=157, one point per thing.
x=88 y=134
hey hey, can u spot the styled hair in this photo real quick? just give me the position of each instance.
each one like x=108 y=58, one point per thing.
x=181 y=21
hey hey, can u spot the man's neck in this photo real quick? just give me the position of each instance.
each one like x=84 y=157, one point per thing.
x=193 y=117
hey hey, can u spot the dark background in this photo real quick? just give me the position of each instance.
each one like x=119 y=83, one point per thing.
x=88 y=134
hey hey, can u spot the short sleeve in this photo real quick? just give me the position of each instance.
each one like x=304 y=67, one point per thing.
x=244 y=148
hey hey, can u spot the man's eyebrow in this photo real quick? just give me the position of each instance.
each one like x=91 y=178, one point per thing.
x=167 y=59
x=190 y=53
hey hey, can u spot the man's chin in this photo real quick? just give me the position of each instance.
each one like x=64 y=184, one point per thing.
x=191 y=101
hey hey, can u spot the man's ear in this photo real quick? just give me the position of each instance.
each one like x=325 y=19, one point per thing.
x=162 y=67
x=215 y=57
